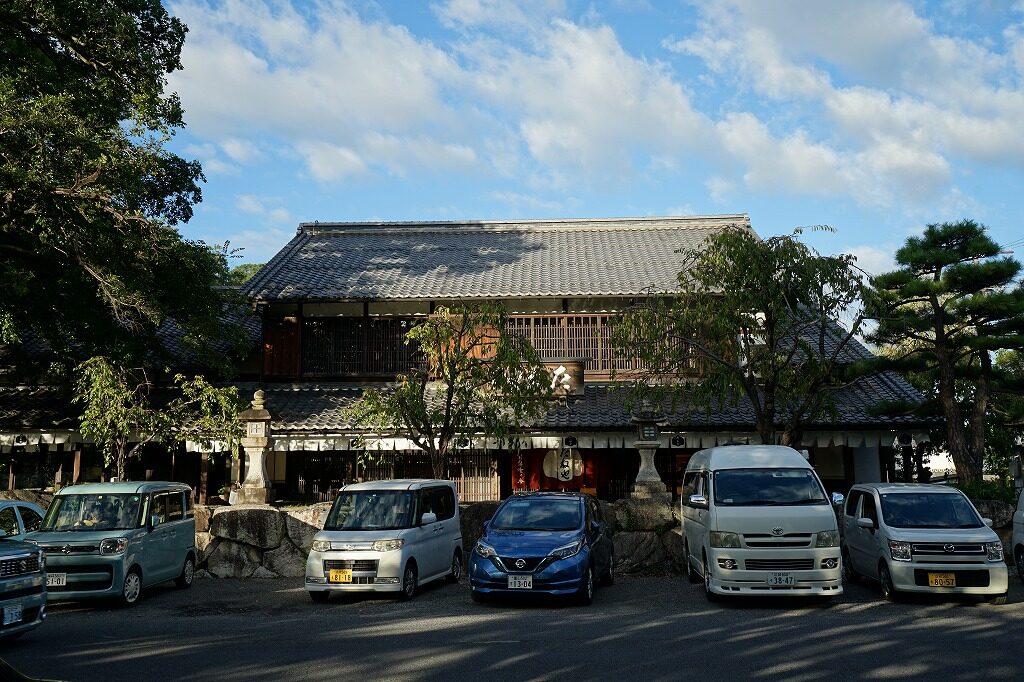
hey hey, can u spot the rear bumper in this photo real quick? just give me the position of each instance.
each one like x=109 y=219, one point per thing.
x=29 y=592
x=972 y=578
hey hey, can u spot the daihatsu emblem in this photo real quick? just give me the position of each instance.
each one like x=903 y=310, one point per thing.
x=520 y=563
x=777 y=531
x=66 y=549
x=349 y=547
x=949 y=549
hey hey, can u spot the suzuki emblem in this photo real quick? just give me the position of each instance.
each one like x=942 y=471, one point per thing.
x=777 y=531
x=66 y=549
x=520 y=563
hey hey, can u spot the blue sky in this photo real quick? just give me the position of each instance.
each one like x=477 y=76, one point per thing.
x=875 y=117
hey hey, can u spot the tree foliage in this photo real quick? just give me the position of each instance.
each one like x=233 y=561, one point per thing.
x=475 y=380
x=753 y=319
x=122 y=415
x=90 y=257
x=951 y=304
x=240 y=274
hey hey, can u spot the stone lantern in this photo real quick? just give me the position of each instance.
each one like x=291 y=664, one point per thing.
x=255 y=442
x=648 y=484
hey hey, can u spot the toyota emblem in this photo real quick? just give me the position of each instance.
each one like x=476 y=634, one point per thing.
x=949 y=549
x=66 y=549
x=520 y=563
x=777 y=531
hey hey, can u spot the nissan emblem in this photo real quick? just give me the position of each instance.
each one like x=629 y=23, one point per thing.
x=520 y=563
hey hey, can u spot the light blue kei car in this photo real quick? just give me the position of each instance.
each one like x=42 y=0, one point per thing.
x=114 y=539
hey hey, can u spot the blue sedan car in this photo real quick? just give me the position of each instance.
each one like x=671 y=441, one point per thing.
x=548 y=543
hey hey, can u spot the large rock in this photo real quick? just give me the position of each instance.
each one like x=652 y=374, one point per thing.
x=205 y=544
x=262 y=527
x=287 y=561
x=638 y=552
x=35 y=497
x=203 y=514
x=1001 y=513
x=608 y=514
x=304 y=522
x=638 y=515
x=262 y=572
x=234 y=560
x=473 y=517
x=672 y=541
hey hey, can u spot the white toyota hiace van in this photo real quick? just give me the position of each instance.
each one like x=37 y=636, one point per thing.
x=756 y=521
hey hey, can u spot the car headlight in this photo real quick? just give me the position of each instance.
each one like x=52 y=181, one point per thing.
x=566 y=551
x=113 y=545
x=827 y=538
x=994 y=551
x=484 y=550
x=900 y=551
x=388 y=545
x=321 y=545
x=722 y=539
x=41 y=556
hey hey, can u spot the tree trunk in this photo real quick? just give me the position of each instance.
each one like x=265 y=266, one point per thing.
x=982 y=393
x=956 y=440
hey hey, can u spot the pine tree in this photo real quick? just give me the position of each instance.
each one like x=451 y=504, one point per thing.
x=950 y=304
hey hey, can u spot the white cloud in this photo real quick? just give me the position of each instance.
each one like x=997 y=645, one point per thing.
x=872 y=259
x=328 y=162
x=497 y=13
x=209 y=157
x=254 y=205
x=519 y=200
x=241 y=151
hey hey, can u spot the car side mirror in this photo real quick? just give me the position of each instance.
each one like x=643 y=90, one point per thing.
x=987 y=521
x=428 y=518
x=838 y=498
x=154 y=521
x=699 y=501
x=866 y=523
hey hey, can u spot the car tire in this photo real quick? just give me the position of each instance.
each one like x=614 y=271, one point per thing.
x=711 y=596
x=1018 y=559
x=409 y=581
x=585 y=594
x=188 y=573
x=131 y=588
x=849 y=575
x=889 y=591
x=998 y=600
x=609 y=576
x=455 y=573
x=691 y=574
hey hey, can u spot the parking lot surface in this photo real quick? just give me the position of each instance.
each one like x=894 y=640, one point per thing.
x=650 y=628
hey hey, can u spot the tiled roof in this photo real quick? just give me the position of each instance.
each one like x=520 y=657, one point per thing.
x=36 y=408
x=537 y=258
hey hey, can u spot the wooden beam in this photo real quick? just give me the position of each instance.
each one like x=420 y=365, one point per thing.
x=10 y=474
x=204 y=472
x=76 y=467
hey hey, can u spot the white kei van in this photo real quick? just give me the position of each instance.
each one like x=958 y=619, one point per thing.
x=756 y=521
x=387 y=536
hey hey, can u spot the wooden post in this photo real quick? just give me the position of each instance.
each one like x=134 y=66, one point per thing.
x=76 y=467
x=204 y=472
x=59 y=474
x=10 y=474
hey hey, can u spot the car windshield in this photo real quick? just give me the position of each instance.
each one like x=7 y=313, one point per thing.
x=928 y=510
x=93 y=512
x=767 y=487
x=371 y=510
x=538 y=514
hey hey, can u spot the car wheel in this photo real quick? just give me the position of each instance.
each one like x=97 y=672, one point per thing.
x=693 y=575
x=320 y=597
x=711 y=596
x=998 y=600
x=849 y=575
x=188 y=573
x=1018 y=558
x=131 y=588
x=456 y=571
x=585 y=595
x=889 y=592
x=409 y=581
x=609 y=576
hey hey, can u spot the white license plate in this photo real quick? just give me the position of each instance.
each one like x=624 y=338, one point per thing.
x=520 y=582
x=56 y=579
x=12 y=614
x=781 y=579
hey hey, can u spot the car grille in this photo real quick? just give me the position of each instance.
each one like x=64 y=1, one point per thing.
x=19 y=566
x=71 y=549
x=530 y=564
x=766 y=541
x=939 y=548
x=363 y=565
x=779 y=564
x=963 y=578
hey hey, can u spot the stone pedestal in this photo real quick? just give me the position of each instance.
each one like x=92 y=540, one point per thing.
x=255 y=488
x=648 y=484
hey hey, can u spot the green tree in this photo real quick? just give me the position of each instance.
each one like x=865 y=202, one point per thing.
x=753 y=319
x=240 y=274
x=943 y=312
x=90 y=257
x=475 y=381
x=120 y=412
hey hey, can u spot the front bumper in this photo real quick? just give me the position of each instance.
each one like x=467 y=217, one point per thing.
x=89 y=576
x=804 y=566
x=989 y=578
x=561 y=577
x=371 y=571
x=30 y=592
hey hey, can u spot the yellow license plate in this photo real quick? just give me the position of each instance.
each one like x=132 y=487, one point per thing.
x=340 y=575
x=942 y=579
